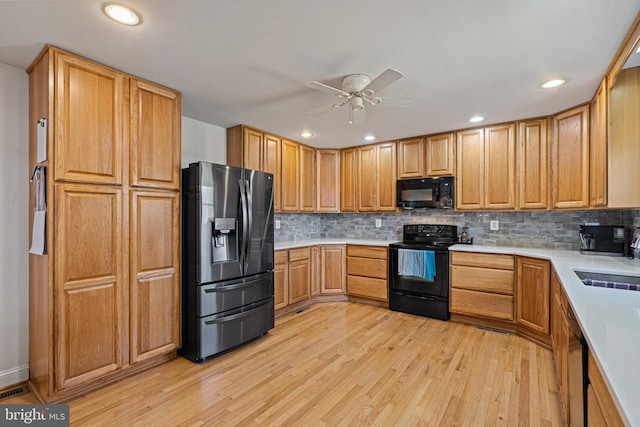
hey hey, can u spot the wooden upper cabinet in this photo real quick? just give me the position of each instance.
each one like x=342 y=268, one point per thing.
x=386 y=177
x=598 y=148
x=410 y=158
x=91 y=121
x=348 y=180
x=328 y=180
x=570 y=158
x=252 y=149
x=155 y=136
x=89 y=282
x=307 y=179
x=290 y=183
x=440 y=155
x=272 y=163
x=470 y=170
x=499 y=167
x=532 y=293
x=155 y=273
x=366 y=157
x=532 y=165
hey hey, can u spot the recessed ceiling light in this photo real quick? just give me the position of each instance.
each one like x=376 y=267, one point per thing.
x=369 y=138
x=121 y=14
x=476 y=119
x=305 y=134
x=552 y=83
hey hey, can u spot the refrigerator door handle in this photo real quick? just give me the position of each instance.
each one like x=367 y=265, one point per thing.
x=245 y=224
x=249 y=192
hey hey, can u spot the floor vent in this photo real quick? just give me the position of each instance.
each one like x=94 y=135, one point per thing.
x=15 y=391
x=495 y=331
x=303 y=309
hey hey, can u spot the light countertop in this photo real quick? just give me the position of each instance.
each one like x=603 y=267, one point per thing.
x=609 y=318
x=332 y=241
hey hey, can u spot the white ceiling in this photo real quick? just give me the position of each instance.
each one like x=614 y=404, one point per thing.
x=245 y=61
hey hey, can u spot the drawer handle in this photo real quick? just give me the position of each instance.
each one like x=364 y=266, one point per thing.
x=230 y=287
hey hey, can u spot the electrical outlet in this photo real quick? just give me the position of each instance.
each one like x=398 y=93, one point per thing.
x=494 y=225
x=277 y=224
x=378 y=223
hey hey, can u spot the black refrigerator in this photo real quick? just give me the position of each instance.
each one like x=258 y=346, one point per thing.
x=227 y=258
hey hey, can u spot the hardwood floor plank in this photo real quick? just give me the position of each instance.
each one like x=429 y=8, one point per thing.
x=343 y=364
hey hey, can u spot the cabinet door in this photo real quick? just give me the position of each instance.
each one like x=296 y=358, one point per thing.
x=386 y=177
x=348 y=180
x=366 y=157
x=155 y=136
x=155 y=272
x=290 y=176
x=470 y=170
x=89 y=281
x=328 y=180
x=411 y=158
x=272 y=163
x=252 y=149
x=332 y=270
x=570 y=158
x=499 y=167
x=299 y=280
x=533 y=189
x=598 y=148
x=315 y=271
x=307 y=179
x=440 y=156
x=280 y=280
x=91 y=121
x=532 y=293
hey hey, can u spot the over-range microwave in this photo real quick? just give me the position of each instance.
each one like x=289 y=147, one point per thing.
x=423 y=193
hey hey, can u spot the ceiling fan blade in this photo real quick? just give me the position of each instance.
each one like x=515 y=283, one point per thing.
x=357 y=117
x=326 y=89
x=321 y=109
x=383 y=80
x=399 y=102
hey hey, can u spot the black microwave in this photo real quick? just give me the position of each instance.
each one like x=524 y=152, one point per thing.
x=423 y=193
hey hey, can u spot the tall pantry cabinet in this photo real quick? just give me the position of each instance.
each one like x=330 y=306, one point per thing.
x=105 y=297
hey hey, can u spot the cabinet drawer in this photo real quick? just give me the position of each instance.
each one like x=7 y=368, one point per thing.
x=367 y=287
x=300 y=253
x=472 y=259
x=482 y=304
x=367 y=267
x=280 y=257
x=482 y=279
x=367 y=251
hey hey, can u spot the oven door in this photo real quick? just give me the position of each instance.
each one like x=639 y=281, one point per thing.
x=403 y=277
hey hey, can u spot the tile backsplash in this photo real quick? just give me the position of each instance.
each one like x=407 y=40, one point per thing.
x=537 y=229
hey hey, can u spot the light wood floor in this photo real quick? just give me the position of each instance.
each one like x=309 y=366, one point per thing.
x=343 y=364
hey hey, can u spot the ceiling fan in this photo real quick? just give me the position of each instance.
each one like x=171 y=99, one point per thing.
x=359 y=90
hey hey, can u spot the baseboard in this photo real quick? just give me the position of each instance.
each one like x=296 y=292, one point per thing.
x=14 y=376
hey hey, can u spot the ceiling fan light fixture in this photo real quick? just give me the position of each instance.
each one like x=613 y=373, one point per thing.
x=306 y=134
x=121 y=14
x=552 y=83
x=476 y=119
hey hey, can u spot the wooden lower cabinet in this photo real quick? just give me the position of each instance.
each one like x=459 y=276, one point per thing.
x=532 y=293
x=281 y=279
x=482 y=285
x=600 y=404
x=299 y=274
x=332 y=270
x=367 y=272
x=155 y=272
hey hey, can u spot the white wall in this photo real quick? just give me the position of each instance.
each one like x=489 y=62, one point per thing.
x=14 y=224
x=202 y=141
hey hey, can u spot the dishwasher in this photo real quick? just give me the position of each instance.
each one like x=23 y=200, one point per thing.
x=578 y=378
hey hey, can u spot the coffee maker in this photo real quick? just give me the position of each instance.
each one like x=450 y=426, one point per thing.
x=602 y=239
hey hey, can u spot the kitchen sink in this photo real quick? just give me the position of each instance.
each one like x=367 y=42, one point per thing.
x=613 y=281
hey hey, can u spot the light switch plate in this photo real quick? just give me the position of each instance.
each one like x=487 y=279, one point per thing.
x=494 y=225
x=378 y=223
x=277 y=224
